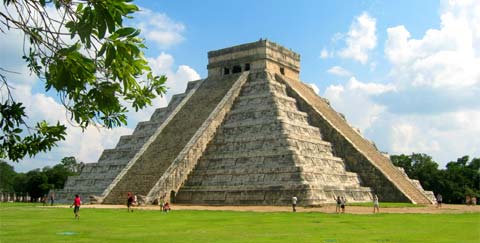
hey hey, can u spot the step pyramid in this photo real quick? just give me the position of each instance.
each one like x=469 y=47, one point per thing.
x=251 y=133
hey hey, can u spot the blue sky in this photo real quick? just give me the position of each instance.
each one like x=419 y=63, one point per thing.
x=304 y=26
x=406 y=73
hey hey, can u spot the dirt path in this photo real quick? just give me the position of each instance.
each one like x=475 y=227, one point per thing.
x=446 y=208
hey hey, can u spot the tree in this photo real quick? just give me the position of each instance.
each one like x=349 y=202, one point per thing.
x=37 y=184
x=403 y=161
x=460 y=178
x=71 y=165
x=7 y=175
x=58 y=174
x=20 y=183
x=463 y=178
x=420 y=167
x=87 y=57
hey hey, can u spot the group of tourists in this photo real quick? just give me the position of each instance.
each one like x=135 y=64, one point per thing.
x=341 y=203
x=131 y=201
x=470 y=200
x=164 y=207
x=45 y=199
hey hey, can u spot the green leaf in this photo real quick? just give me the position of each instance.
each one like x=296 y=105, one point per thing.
x=102 y=49
x=125 y=31
x=111 y=52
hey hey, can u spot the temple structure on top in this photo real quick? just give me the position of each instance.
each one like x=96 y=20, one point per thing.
x=251 y=133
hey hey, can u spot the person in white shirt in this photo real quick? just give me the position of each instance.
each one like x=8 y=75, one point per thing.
x=376 y=205
x=294 y=203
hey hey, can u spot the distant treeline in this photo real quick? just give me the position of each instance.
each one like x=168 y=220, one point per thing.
x=37 y=183
x=459 y=179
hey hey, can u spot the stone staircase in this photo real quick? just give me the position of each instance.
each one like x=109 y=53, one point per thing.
x=96 y=177
x=265 y=152
x=157 y=155
x=175 y=176
x=367 y=149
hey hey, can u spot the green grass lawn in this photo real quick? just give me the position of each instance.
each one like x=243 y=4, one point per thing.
x=43 y=224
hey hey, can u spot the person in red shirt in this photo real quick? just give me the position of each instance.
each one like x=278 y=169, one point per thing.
x=166 y=207
x=76 y=202
x=130 y=202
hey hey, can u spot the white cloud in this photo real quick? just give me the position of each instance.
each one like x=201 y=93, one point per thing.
x=159 y=28
x=339 y=71
x=360 y=39
x=353 y=100
x=324 y=54
x=443 y=58
x=177 y=79
x=445 y=136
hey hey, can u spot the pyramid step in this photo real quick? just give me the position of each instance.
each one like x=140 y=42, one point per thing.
x=268 y=125
x=269 y=195
x=159 y=114
x=266 y=111
x=207 y=162
x=147 y=127
x=134 y=141
x=250 y=154
x=224 y=138
x=262 y=87
x=265 y=98
x=302 y=147
x=116 y=154
x=192 y=84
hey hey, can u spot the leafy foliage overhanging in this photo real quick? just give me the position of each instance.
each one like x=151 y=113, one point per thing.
x=84 y=53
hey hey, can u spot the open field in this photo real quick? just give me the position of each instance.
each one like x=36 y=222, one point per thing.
x=27 y=223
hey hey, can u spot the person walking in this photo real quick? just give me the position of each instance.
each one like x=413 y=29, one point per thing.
x=44 y=200
x=376 y=205
x=166 y=207
x=130 y=202
x=439 y=200
x=343 y=202
x=76 y=203
x=339 y=202
x=52 y=199
x=294 y=204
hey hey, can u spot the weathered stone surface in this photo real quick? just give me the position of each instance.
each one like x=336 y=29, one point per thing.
x=240 y=165
x=249 y=134
x=148 y=167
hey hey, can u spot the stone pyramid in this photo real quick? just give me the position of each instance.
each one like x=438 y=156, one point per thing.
x=251 y=133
